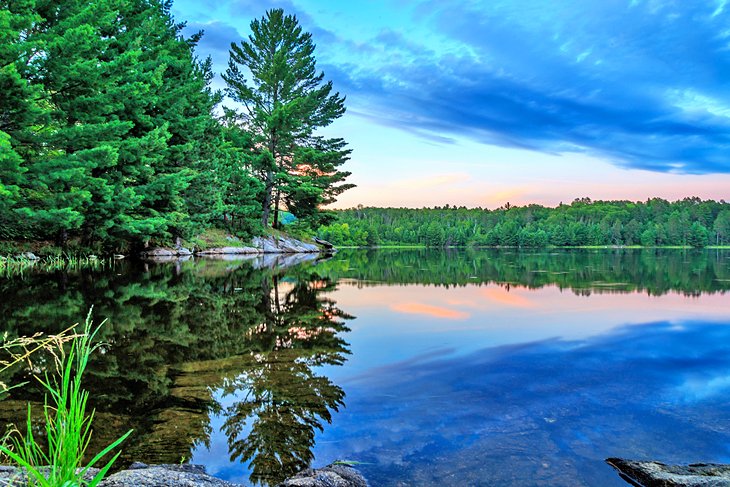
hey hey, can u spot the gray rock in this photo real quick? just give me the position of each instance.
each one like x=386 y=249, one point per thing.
x=186 y=475
x=158 y=252
x=183 y=251
x=118 y=256
x=331 y=476
x=168 y=475
x=266 y=245
x=28 y=255
x=283 y=245
x=323 y=243
x=656 y=474
x=16 y=477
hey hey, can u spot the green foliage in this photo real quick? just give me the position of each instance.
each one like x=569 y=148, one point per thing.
x=67 y=425
x=655 y=222
x=108 y=134
x=286 y=101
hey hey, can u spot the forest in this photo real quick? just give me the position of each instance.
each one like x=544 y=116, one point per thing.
x=656 y=222
x=111 y=137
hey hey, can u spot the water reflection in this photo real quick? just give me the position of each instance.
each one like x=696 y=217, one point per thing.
x=583 y=271
x=277 y=393
x=242 y=366
x=181 y=331
x=544 y=413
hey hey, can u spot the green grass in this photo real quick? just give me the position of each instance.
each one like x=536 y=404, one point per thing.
x=67 y=424
x=214 y=237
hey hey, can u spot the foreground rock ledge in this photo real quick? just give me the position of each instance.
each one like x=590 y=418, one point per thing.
x=656 y=474
x=186 y=475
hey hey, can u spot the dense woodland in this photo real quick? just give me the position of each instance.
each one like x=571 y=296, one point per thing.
x=656 y=222
x=111 y=137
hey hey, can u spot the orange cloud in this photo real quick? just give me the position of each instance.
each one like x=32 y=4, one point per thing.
x=427 y=309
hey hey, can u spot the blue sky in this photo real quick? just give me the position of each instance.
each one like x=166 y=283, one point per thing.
x=477 y=103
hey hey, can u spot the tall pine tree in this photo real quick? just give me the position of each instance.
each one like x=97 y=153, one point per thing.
x=274 y=75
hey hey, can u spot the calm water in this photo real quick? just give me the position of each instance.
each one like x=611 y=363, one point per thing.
x=430 y=368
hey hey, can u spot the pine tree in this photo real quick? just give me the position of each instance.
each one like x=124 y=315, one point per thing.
x=286 y=101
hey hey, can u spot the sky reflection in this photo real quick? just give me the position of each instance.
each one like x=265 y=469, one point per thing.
x=542 y=413
x=396 y=323
x=494 y=384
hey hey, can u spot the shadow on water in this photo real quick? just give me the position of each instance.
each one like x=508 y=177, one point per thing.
x=178 y=332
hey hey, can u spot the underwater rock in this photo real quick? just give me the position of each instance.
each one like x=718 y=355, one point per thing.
x=656 y=474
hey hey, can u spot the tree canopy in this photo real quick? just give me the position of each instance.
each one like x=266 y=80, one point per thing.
x=111 y=137
x=274 y=76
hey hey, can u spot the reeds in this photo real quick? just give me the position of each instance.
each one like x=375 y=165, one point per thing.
x=67 y=425
x=17 y=266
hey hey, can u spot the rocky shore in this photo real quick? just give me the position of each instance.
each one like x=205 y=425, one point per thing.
x=186 y=475
x=259 y=245
x=657 y=474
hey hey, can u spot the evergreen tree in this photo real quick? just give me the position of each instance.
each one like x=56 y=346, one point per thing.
x=286 y=101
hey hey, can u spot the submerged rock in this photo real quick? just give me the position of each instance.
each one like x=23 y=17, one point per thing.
x=656 y=474
x=330 y=476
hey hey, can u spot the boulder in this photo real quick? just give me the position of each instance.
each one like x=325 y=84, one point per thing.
x=330 y=476
x=266 y=245
x=283 y=245
x=28 y=256
x=657 y=474
x=185 y=475
x=323 y=243
x=138 y=475
x=183 y=251
x=118 y=256
x=158 y=252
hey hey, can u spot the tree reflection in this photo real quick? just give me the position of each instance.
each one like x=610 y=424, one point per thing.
x=273 y=425
x=178 y=333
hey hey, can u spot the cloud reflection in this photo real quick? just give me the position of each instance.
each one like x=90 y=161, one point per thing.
x=545 y=413
x=430 y=310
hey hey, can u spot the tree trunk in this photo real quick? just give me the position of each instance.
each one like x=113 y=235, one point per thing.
x=62 y=238
x=267 y=198
x=275 y=224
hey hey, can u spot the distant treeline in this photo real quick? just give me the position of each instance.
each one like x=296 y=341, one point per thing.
x=656 y=222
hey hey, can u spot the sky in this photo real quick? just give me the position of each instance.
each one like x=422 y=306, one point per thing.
x=479 y=103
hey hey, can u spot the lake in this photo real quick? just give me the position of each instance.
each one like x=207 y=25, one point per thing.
x=448 y=367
